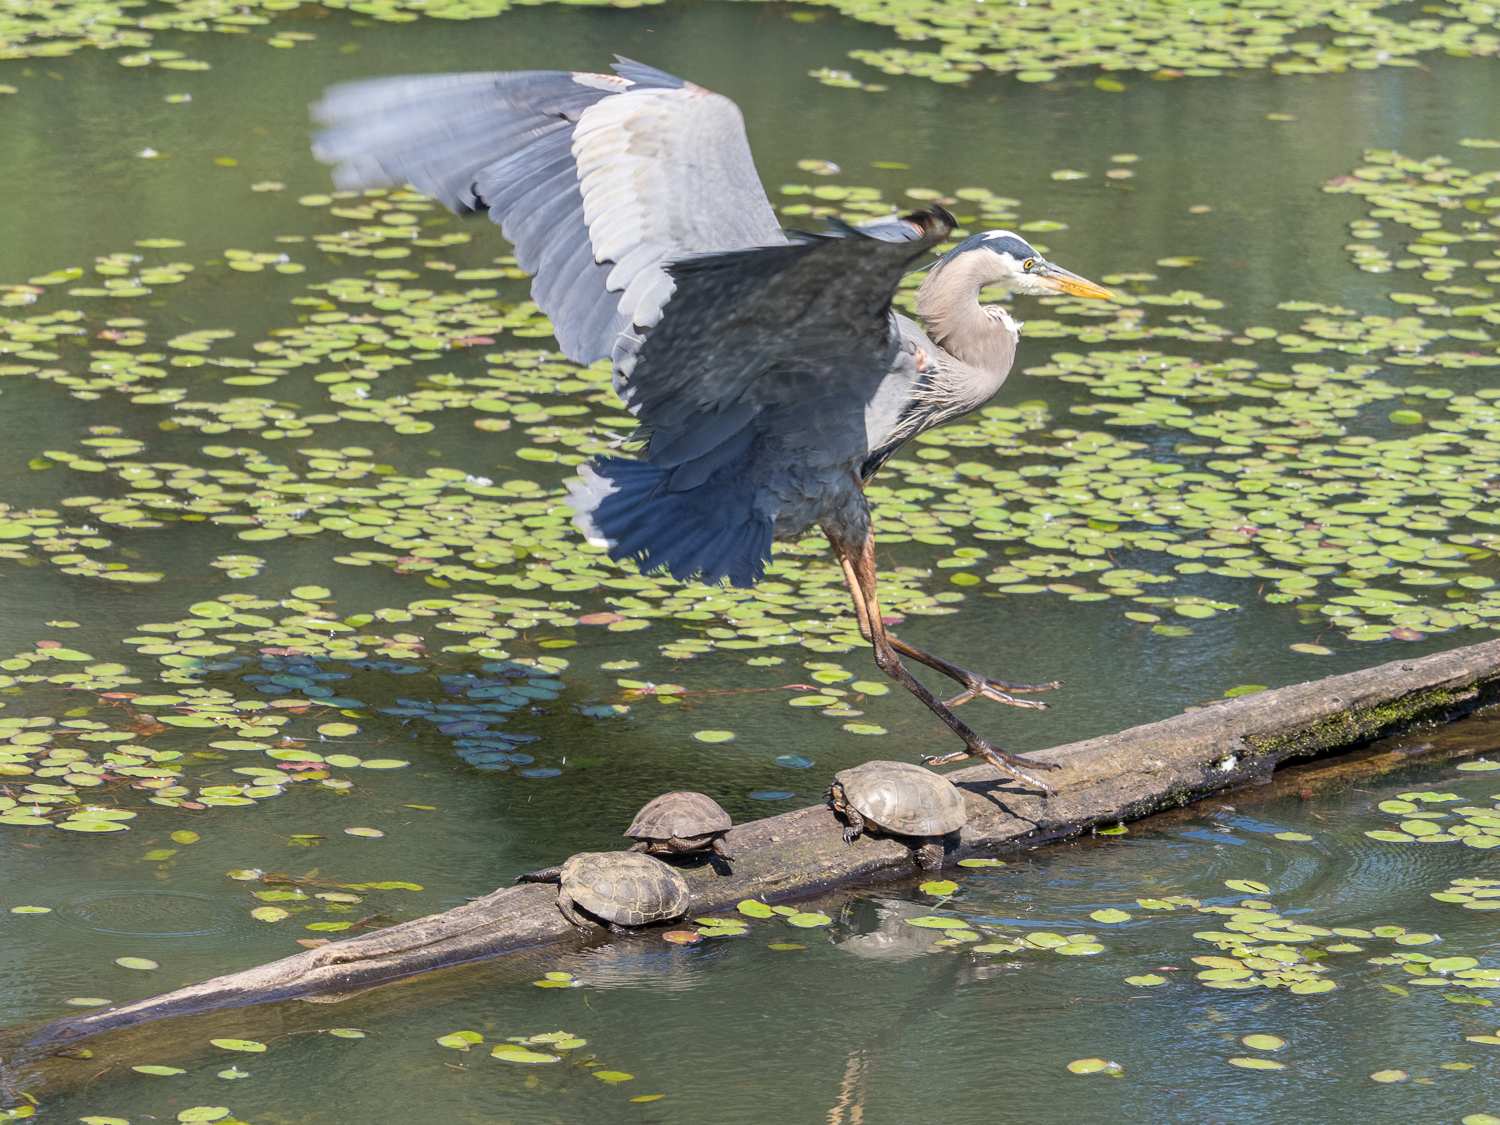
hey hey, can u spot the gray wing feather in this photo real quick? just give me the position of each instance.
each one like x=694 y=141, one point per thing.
x=784 y=327
x=585 y=173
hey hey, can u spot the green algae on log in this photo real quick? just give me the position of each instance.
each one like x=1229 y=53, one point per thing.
x=1122 y=776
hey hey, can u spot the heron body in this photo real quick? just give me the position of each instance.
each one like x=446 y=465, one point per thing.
x=769 y=373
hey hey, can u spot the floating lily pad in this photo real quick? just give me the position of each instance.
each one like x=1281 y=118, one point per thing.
x=142 y=963
x=809 y=920
x=521 y=1056
x=1110 y=916
x=1263 y=1042
x=1247 y=886
x=1146 y=980
x=248 y=1045
x=1091 y=1066
x=941 y=888
x=1257 y=1064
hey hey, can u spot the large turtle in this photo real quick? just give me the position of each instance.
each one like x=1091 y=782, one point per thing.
x=621 y=889
x=903 y=800
x=678 y=822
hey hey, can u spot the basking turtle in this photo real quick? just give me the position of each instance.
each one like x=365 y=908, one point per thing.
x=902 y=800
x=621 y=889
x=678 y=822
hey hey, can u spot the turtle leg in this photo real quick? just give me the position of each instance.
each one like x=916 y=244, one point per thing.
x=565 y=905
x=930 y=855
x=858 y=560
x=546 y=875
x=856 y=824
x=720 y=856
x=640 y=846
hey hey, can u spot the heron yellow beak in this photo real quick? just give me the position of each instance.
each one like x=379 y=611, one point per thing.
x=1064 y=281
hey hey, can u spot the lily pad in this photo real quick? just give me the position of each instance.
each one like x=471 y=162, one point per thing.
x=1263 y=1042
x=1090 y=1066
x=809 y=920
x=521 y=1056
x=1247 y=886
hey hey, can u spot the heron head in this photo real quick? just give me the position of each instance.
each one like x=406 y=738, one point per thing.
x=1004 y=258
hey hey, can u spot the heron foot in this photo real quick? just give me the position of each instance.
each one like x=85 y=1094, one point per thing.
x=1002 y=760
x=976 y=686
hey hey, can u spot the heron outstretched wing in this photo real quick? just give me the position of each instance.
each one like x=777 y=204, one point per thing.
x=596 y=179
x=804 y=329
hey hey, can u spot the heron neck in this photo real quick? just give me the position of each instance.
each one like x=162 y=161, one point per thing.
x=948 y=306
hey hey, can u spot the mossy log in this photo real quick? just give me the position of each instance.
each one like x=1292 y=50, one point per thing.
x=1135 y=773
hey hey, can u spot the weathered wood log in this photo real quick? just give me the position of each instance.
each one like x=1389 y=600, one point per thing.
x=1123 y=776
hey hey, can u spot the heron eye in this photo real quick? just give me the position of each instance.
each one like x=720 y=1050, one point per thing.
x=1029 y=263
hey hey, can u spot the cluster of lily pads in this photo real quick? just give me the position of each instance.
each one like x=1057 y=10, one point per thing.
x=542 y=1049
x=1473 y=825
x=1265 y=483
x=1034 y=41
x=1471 y=893
x=1295 y=480
x=55 y=766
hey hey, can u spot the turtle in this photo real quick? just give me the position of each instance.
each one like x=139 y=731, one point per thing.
x=621 y=889
x=900 y=799
x=679 y=822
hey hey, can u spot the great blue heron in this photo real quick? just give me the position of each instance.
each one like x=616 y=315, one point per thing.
x=769 y=373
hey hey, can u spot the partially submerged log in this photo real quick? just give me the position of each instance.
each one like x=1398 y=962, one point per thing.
x=1123 y=776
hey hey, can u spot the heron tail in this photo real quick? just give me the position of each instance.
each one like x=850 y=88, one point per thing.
x=709 y=531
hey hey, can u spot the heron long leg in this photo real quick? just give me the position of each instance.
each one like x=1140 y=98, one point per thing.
x=858 y=561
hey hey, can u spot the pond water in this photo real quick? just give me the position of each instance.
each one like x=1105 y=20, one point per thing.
x=254 y=533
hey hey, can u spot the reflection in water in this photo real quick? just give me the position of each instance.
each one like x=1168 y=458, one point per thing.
x=885 y=936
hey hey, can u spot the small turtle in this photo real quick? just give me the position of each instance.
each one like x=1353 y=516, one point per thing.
x=903 y=800
x=621 y=889
x=678 y=822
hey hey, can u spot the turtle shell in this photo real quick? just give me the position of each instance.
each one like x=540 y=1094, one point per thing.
x=905 y=799
x=683 y=814
x=625 y=887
